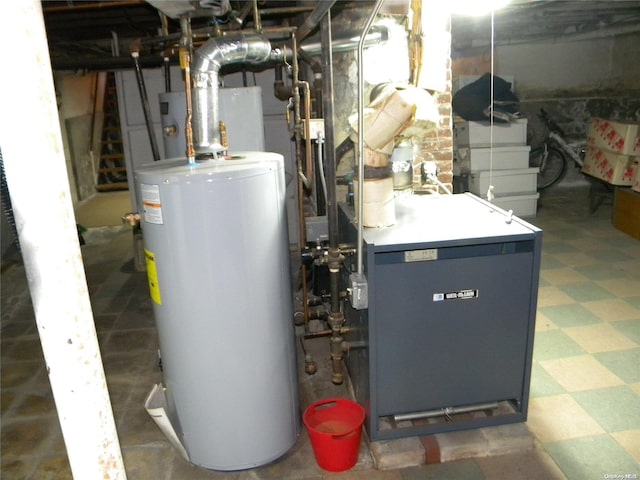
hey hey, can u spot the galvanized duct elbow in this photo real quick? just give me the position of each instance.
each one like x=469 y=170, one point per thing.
x=234 y=48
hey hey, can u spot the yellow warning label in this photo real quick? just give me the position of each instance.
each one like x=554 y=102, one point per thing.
x=152 y=275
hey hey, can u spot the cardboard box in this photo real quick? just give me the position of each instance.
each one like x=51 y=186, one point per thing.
x=482 y=134
x=497 y=158
x=635 y=185
x=611 y=167
x=626 y=211
x=619 y=137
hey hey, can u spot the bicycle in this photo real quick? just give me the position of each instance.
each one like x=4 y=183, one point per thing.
x=551 y=157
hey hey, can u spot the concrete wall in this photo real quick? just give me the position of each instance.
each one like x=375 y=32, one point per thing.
x=572 y=77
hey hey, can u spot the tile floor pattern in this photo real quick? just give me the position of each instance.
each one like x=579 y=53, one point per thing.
x=585 y=391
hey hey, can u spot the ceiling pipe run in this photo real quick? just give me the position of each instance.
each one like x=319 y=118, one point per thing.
x=313 y=19
x=234 y=48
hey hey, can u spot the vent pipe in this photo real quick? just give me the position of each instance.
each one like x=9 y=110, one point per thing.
x=233 y=48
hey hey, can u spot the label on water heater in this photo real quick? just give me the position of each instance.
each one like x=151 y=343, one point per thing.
x=151 y=205
x=152 y=276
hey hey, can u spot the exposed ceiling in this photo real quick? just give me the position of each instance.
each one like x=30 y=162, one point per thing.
x=85 y=29
x=79 y=29
x=532 y=20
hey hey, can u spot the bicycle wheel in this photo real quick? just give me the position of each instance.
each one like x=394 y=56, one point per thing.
x=552 y=165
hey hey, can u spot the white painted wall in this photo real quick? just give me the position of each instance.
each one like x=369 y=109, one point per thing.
x=592 y=63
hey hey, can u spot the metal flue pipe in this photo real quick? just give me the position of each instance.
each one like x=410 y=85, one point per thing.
x=234 y=48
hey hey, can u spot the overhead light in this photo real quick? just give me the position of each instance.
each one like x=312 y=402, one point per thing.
x=475 y=8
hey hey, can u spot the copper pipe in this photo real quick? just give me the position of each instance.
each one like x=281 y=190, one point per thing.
x=301 y=218
x=307 y=131
x=190 y=152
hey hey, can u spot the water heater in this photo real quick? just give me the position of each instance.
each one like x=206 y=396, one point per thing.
x=216 y=246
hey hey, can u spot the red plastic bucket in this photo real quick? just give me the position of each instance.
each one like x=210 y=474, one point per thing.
x=335 y=427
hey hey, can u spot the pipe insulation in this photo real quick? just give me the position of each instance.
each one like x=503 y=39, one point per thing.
x=233 y=48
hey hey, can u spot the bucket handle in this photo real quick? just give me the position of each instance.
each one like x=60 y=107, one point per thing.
x=327 y=404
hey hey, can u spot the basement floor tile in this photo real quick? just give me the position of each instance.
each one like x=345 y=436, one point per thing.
x=596 y=272
x=18 y=374
x=624 y=363
x=630 y=328
x=570 y=315
x=635 y=301
x=580 y=373
x=554 y=344
x=615 y=409
x=148 y=461
x=630 y=441
x=561 y=276
x=560 y=417
x=609 y=255
x=532 y=464
x=549 y=296
x=613 y=309
x=586 y=291
x=458 y=470
x=557 y=245
x=575 y=259
x=543 y=384
x=599 y=338
x=543 y=323
x=53 y=467
x=592 y=457
x=621 y=287
x=28 y=437
x=17 y=468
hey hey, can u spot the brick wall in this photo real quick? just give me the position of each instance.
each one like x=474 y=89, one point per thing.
x=438 y=145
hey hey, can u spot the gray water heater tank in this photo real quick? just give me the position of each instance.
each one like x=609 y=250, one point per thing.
x=216 y=245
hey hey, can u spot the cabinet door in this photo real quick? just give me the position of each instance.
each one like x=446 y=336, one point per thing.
x=450 y=332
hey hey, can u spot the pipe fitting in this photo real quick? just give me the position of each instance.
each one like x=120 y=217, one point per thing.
x=335 y=321
x=335 y=343
x=334 y=259
x=131 y=218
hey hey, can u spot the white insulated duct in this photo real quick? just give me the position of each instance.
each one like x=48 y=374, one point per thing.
x=233 y=48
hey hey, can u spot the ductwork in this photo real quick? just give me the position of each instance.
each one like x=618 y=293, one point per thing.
x=233 y=48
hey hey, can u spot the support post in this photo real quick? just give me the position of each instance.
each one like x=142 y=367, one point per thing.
x=33 y=153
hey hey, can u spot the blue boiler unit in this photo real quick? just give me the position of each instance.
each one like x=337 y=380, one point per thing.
x=446 y=341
